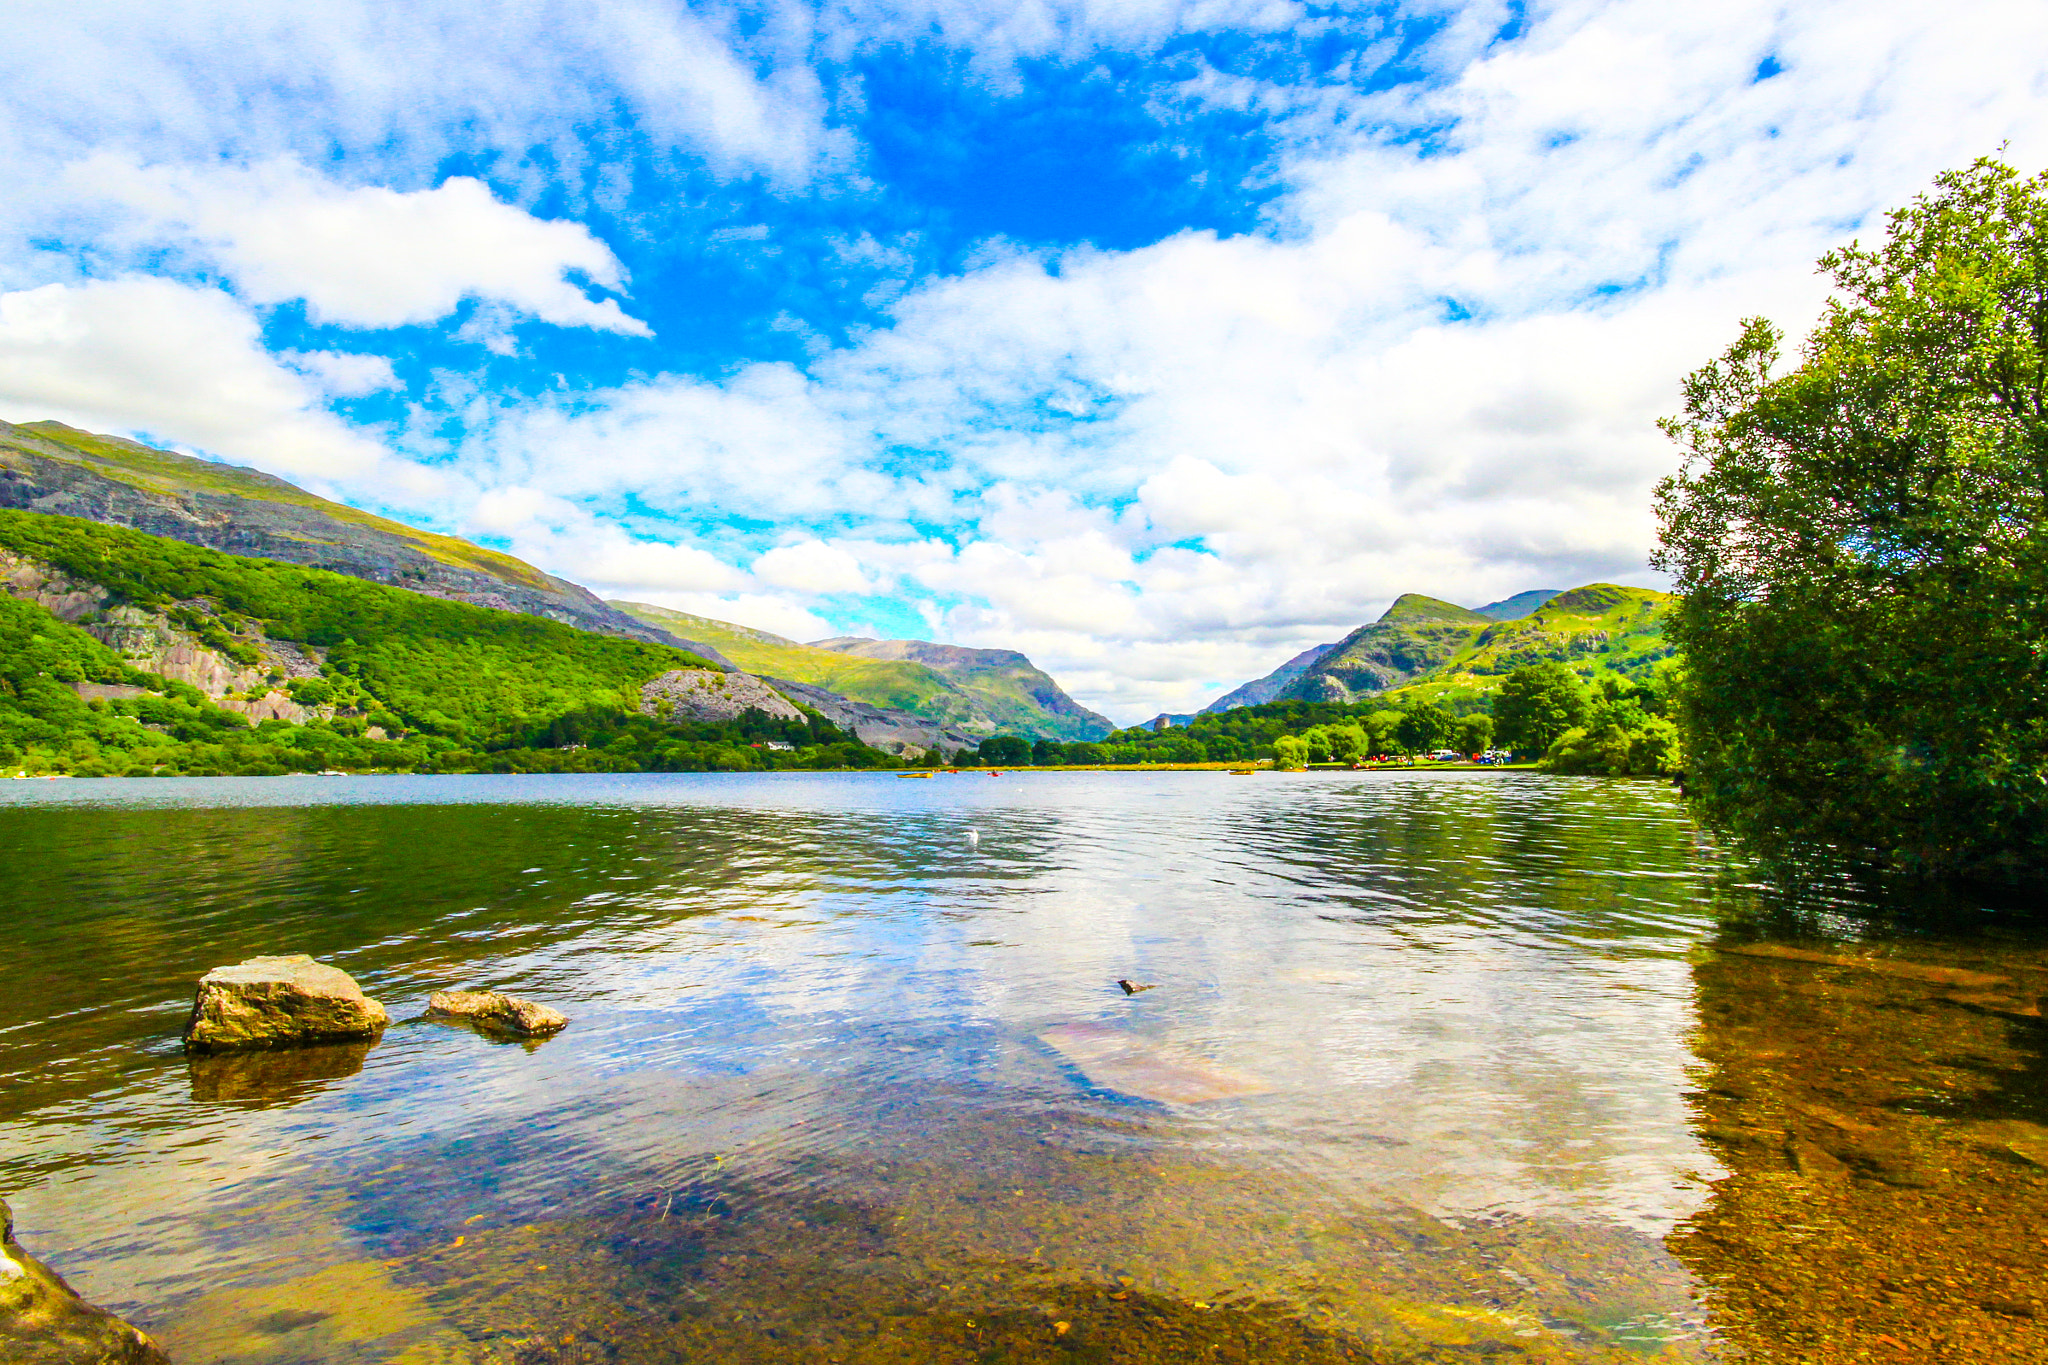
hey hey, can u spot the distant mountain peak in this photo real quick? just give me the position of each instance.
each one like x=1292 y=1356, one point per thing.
x=1413 y=606
x=1516 y=607
x=981 y=692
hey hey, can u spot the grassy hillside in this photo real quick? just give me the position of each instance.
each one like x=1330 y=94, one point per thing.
x=1599 y=629
x=1457 y=659
x=166 y=471
x=1016 y=696
x=980 y=691
x=898 y=684
x=470 y=685
x=1411 y=639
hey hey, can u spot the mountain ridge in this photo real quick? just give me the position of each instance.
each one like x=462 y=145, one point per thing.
x=966 y=694
x=1420 y=640
x=53 y=468
x=1013 y=690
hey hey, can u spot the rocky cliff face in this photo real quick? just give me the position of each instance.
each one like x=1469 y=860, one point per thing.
x=49 y=467
x=699 y=694
x=893 y=732
x=153 y=643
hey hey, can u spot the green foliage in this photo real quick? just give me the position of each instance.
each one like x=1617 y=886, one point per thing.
x=1349 y=742
x=1537 y=704
x=1005 y=751
x=1861 y=546
x=1425 y=729
x=1290 y=751
x=1474 y=734
x=465 y=673
x=480 y=690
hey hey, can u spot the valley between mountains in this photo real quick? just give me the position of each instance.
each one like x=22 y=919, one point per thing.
x=169 y=614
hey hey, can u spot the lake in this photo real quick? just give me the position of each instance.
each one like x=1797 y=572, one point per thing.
x=1425 y=1067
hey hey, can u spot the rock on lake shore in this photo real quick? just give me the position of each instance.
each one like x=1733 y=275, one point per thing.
x=44 y=1322
x=279 y=1002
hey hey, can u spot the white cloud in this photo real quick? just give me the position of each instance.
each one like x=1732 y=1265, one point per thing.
x=343 y=374
x=370 y=256
x=407 y=88
x=1158 y=471
x=143 y=355
x=812 y=566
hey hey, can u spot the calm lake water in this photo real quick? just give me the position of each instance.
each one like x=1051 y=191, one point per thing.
x=1432 y=1067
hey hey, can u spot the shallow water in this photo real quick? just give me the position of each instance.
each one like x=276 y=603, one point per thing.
x=1432 y=1067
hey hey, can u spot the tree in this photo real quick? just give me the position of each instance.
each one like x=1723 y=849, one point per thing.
x=1537 y=704
x=1348 y=742
x=1005 y=751
x=1862 y=551
x=1425 y=729
x=1290 y=752
x=1318 y=741
x=1475 y=733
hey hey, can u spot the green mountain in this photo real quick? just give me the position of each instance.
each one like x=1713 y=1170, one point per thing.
x=1518 y=606
x=1413 y=637
x=1014 y=696
x=122 y=652
x=1394 y=647
x=1259 y=691
x=49 y=467
x=973 y=693
x=1438 y=649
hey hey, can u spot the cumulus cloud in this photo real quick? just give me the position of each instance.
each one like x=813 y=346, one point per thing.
x=1434 y=367
x=371 y=256
x=343 y=374
x=148 y=355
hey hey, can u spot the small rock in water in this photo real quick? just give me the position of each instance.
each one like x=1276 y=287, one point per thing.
x=44 y=1322
x=497 y=1013
x=279 y=1002
x=1133 y=987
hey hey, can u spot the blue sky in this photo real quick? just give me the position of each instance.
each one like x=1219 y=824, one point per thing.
x=1159 y=340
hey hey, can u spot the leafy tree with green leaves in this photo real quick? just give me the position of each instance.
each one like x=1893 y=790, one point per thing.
x=1537 y=704
x=1005 y=751
x=1862 y=549
x=1348 y=743
x=1424 y=729
x=1290 y=751
x=1475 y=734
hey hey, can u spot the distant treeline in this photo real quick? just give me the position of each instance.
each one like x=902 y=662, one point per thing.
x=1546 y=711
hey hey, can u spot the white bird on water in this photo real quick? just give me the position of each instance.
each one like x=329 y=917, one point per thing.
x=973 y=840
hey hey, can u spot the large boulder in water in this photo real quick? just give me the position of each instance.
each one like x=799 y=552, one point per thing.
x=496 y=1013
x=280 y=1002
x=44 y=1322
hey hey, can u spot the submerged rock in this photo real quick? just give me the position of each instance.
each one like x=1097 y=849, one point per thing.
x=44 y=1322
x=497 y=1013
x=280 y=1002
x=1115 y=1060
